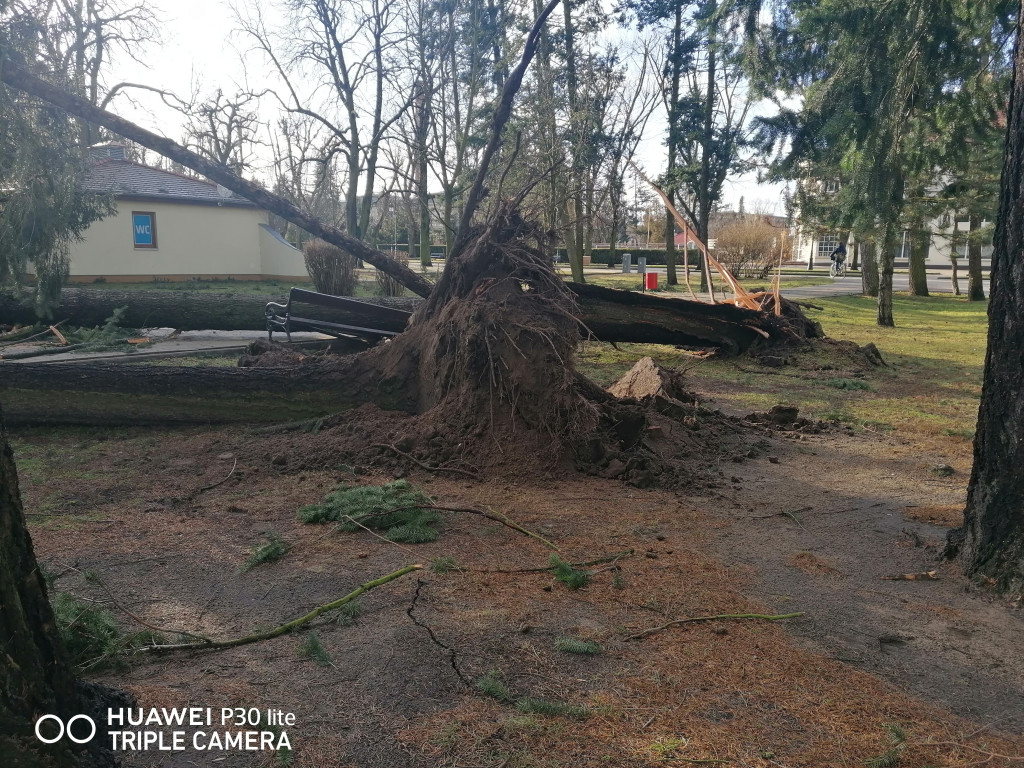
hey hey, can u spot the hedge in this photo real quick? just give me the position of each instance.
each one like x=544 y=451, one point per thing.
x=655 y=256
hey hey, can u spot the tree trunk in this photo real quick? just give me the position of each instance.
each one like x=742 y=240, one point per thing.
x=195 y=311
x=671 y=277
x=618 y=316
x=35 y=674
x=118 y=393
x=868 y=268
x=975 y=283
x=991 y=541
x=18 y=78
x=920 y=240
x=955 y=274
x=885 y=269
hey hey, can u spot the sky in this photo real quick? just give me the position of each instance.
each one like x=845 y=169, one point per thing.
x=202 y=51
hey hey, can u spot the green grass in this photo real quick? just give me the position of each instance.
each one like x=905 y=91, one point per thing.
x=633 y=282
x=936 y=353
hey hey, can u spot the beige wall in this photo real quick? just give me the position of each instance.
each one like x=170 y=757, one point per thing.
x=192 y=241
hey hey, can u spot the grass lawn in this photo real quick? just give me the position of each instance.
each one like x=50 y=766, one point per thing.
x=931 y=389
x=615 y=279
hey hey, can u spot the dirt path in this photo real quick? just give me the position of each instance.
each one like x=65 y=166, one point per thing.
x=859 y=509
x=398 y=688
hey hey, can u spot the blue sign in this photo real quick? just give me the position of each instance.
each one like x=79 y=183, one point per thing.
x=144 y=230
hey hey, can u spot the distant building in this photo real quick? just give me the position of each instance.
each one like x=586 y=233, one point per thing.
x=813 y=245
x=172 y=227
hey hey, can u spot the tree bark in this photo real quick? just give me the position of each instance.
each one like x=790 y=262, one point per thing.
x=619 y=316
x=920 y=239
x=991 y=541
x=119 y=393
x=195 y=311
x=35 y=674
x=975 y=283
x=20 y=79
x=885 y=269
x=868 y=268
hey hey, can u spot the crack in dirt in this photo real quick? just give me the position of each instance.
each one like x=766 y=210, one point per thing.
x=452 y=656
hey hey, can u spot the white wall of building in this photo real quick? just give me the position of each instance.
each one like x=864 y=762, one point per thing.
x=192 y=241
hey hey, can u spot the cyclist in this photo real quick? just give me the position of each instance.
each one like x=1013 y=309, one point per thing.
x=838 y=259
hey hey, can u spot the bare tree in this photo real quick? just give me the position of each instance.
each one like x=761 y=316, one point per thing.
x=224 y=129
x=79 y=37
x=339 y=65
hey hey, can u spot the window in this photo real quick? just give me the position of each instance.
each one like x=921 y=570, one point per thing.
x=144 y=229
x=827 y=244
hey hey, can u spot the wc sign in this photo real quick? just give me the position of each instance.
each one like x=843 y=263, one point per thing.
x=144 y=229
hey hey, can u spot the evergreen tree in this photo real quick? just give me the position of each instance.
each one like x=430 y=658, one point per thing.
x=43 y=207
x=872 y=76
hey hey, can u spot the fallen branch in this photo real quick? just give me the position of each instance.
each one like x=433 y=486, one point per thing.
x=427 y=467
x=219 y=482
x=606 y=559
x=497 y=517
x=60 y=336
x=717 y=617
x=291 y=626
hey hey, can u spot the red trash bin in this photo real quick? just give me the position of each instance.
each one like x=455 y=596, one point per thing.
x=651 y=281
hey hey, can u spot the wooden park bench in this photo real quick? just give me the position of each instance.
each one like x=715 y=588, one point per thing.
x=295 y=316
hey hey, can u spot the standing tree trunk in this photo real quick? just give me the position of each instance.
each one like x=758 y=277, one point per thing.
x=991 y=541
x=885 y=268
x=920 y=239
x=35 y=674
x=868 y=268
x=975 y=284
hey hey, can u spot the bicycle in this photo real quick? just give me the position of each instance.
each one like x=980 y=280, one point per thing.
x=838 y=268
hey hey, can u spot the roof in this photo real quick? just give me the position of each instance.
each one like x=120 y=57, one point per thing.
x=123 y=178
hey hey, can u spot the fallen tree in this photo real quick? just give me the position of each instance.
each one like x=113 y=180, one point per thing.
x=187 y=310
x=492 y=343
x=609 y=315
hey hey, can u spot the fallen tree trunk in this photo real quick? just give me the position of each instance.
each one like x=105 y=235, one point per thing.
x=190 y=310
x=114 y=393
x=611 y=315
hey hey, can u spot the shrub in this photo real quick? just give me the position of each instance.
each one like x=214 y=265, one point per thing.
x=388 y=286
x=332 y=270
x=749 y=246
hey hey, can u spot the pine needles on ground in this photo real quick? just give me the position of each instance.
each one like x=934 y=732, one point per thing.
x=444 y=564
x=88 y=632
x=399 y=509
x=578 y=646
x=312 y=648
x=573 y=578
x=347 y=614
x=275 y=549
x=493 y=686
x=532 y=706
x=891 y=757
x=91 y=634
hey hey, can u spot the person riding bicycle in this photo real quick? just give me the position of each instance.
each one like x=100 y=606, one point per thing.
x=839 y=254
